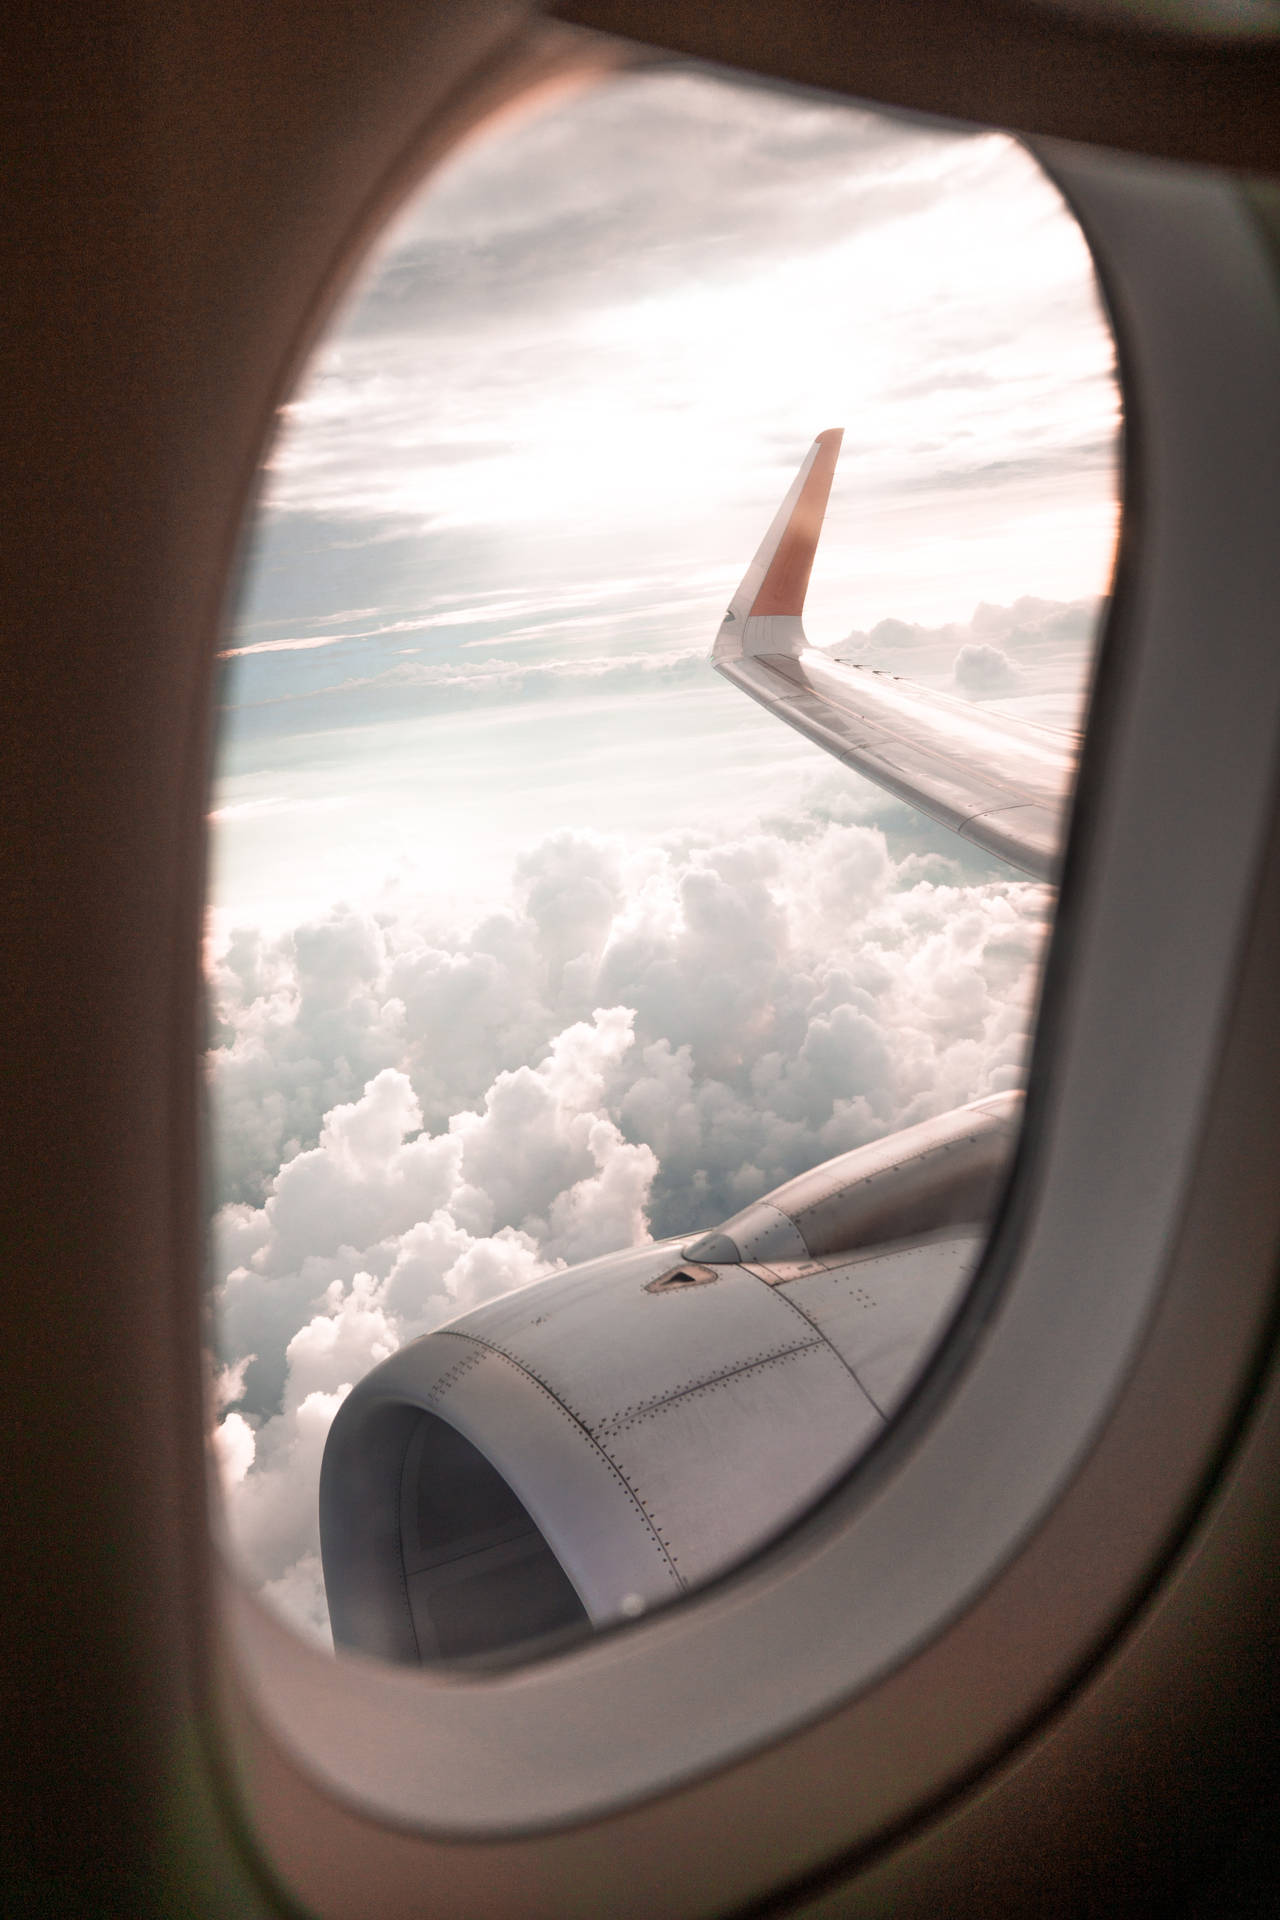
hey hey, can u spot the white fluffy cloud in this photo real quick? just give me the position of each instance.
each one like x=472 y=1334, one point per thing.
x=983 y=671
x=410 y=1121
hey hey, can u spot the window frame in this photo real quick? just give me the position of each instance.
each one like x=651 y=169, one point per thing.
x=1039 y=1442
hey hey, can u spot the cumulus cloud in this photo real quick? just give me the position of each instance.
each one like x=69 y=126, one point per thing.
x=234 y=1448
x=413 y=1119
x=982 y=671
x=1029 y=654
x=1030 y=630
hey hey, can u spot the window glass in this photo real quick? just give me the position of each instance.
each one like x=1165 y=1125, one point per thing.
x=531 y=940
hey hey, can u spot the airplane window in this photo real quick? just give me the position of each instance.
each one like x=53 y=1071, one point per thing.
x=611 y=1076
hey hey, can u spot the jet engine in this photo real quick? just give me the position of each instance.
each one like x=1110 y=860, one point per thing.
x=594 y=1445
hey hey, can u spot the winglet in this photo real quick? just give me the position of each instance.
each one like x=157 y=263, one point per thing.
x=765 y=613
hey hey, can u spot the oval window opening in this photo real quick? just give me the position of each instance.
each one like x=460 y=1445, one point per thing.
x=611 y=1088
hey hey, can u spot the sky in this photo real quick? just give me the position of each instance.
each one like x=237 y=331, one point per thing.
x=528 y=936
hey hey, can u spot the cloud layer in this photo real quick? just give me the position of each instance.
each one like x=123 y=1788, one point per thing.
x=411 y=1120
x=626 y=319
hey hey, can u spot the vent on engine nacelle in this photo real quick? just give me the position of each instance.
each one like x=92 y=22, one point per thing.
x=435 y=1537
x=686 y=1275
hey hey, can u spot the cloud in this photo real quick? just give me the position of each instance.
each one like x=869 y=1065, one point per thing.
x=1027 y=631
x=559 y=335
x=636 y=1042
x=754 y=153
x=234 y=1447
x=1029 y=655
x=983 y=671
x=508 y=679
x=306 y=644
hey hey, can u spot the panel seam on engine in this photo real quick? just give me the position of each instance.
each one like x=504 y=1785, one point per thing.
x=586 y=1433
x=646 y=1409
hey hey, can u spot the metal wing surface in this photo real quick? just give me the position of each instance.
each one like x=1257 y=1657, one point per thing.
x=999 y=781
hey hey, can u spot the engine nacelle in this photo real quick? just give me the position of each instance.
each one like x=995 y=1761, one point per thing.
x=595 y=1444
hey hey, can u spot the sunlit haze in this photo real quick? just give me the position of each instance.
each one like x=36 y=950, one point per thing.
x=546 y=433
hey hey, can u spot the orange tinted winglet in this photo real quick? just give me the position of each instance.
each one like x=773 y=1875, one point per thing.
x=787 y=580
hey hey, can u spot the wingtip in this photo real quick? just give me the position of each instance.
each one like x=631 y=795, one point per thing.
x=777 y=580
x=786 y=580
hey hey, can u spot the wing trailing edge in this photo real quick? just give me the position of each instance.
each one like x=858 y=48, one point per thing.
x=999 y=781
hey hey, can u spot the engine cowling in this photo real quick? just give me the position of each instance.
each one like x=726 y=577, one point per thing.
x=598 y=1443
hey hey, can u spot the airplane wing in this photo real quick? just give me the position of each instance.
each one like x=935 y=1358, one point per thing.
x=999 y=781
